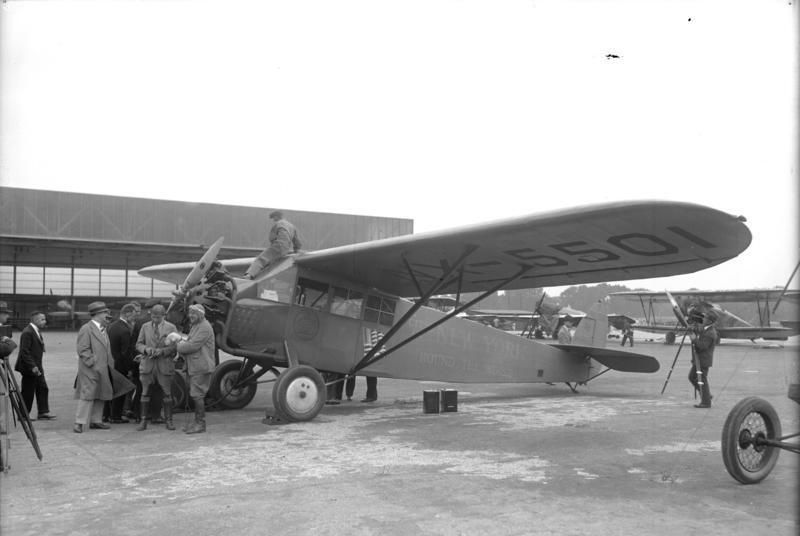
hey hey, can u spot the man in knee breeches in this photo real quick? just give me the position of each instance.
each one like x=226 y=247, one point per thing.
x=156 y=363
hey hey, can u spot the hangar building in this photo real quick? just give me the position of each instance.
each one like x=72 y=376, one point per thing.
x=59 y=251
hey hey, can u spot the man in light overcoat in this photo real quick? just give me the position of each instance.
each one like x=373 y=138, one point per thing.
x=93 y=383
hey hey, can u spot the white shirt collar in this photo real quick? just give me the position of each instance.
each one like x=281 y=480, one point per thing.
x=36 y=329
x=98 y=324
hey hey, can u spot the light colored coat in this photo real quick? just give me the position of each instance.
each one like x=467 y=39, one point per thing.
x=94 y=357
x=198 y=349
x=147 y=339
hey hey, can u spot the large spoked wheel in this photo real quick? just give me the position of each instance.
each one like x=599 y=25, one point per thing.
x=299 y=393
x=746 y=457
x=227 y=387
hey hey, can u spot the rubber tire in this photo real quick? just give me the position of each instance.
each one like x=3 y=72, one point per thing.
x=226 y=372
x=669 y=338
x=730 y=440
x=291 y=389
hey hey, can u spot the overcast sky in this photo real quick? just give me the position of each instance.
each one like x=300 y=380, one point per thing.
x=447 y=112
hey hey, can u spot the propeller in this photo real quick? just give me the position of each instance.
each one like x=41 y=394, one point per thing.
x=199 y=270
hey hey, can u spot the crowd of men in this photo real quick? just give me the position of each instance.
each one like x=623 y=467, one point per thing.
x=122 y=362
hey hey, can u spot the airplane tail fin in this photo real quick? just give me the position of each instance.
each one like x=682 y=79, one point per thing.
x=593 y=328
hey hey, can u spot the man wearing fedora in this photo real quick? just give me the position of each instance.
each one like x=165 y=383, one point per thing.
x=93 y=383
x=30 y=366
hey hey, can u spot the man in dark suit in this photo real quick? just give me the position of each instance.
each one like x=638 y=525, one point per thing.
x=123 y=349
x=29 y=365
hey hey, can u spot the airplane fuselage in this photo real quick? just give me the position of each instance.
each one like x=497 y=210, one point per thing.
x=331 y=324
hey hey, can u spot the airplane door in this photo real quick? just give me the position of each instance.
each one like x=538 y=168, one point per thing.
x=323 y=327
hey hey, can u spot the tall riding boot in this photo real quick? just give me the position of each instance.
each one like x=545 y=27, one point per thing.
x=705 y=398
x=199 y=424
x=143 y=413
x=168 y=414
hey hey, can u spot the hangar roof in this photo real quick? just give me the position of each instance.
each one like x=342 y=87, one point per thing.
x=50 y=228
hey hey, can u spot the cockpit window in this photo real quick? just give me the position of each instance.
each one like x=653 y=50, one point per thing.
x=279 y=285
x=311 y=293
x=346 y=302
x=380 y=310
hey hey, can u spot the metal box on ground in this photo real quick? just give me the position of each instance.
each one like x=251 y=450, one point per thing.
x=449 y=400
x=430 y=401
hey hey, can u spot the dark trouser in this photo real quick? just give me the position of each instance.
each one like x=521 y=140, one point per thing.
x=335 y=390
x=137 y=393
x=705 y=389
x=625 y=338
x=35 y=386
x=372 y=387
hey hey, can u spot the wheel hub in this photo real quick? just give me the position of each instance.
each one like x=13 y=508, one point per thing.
x=302 y=395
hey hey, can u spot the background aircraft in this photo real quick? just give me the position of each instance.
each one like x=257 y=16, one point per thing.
x=658 y=318
x=345 y=310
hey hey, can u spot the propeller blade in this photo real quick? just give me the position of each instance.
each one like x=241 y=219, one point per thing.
x=677 y=310
x=200 y=268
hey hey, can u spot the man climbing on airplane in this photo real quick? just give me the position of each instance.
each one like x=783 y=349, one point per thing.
x=283 y=240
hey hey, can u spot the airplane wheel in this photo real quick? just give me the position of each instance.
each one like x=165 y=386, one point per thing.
x=670 y=338
x=223 y=387
x=746 y=459
x=299 y=393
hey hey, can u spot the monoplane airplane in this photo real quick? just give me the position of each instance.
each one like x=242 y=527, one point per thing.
x=345 y=309
x=728 y=325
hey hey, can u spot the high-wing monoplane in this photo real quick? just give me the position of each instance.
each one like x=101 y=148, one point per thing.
x=358 y=309
x=728 y=325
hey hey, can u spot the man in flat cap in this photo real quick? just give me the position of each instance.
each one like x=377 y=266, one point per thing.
x=93 y=383
x=156 y=363
x=198 y=351
x=704 y=339
x=283 y=240
x=565 y=333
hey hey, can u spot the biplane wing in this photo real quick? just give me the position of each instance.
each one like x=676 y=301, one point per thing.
x=722 y=296
x=728 y=325
x=607 y=242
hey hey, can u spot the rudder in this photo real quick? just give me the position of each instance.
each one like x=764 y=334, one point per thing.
x=593 y=328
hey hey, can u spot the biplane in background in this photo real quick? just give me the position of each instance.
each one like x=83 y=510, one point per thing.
x=543 y=322
x=346 y=310
x=728 y=325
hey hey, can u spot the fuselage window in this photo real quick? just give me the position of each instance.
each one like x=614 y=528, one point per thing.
x=380 y=310
x=313 y=294
x=346 y=302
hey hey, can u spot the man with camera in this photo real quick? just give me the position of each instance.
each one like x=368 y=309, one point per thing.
x=704 y=339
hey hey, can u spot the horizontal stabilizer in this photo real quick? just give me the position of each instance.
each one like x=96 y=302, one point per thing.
x=614 y=359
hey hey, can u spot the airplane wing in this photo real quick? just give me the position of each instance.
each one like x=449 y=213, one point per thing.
x=727 y=296
x=609 y=242
x=177 y=272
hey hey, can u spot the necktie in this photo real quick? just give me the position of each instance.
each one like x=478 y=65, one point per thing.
x=155 y=332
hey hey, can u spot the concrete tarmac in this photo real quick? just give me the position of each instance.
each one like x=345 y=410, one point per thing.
x=615 y=458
